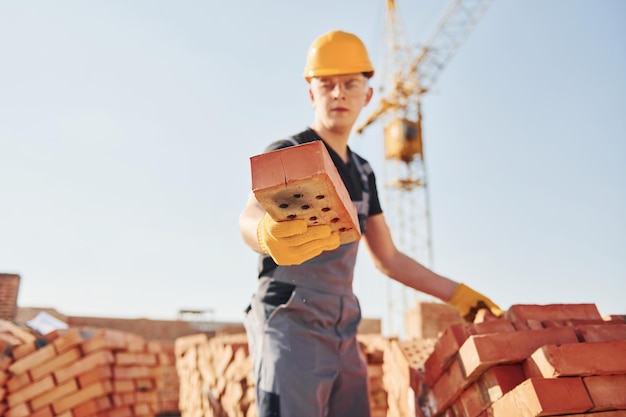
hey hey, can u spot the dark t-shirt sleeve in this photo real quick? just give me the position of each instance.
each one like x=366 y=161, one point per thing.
x=375 y=207
x=279 y=144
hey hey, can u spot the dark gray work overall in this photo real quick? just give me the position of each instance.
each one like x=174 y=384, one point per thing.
x=307 y=361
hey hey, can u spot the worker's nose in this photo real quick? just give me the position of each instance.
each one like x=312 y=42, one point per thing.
x=337 y=91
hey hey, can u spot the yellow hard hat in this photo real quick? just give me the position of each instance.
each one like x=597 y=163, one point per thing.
x=335 y=53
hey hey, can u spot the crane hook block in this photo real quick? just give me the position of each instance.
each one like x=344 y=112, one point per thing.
x=403 y=140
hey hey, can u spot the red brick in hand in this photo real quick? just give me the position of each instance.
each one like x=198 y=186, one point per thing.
x=302 y=182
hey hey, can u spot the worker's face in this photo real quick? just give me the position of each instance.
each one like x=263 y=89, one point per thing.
x=338 y=99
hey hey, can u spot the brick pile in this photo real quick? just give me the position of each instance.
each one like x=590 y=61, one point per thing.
x=373 y=348
x=9 y=288
x=169 y=385
x=80 y=372
x=389 y=366
x=550 y=360
x=215 y=376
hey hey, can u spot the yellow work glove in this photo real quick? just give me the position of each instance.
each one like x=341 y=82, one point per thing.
x=469 y=301
x=292 y=242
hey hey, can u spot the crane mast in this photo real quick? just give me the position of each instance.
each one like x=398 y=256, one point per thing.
x=410 y=76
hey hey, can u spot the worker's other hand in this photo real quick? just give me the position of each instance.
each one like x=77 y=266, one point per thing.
x=469 y=302
x=292 y=242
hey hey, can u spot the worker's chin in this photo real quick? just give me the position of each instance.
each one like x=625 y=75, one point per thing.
x=341 y=129
x=340 y=125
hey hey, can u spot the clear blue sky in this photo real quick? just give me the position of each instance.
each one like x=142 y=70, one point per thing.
x=126 y=128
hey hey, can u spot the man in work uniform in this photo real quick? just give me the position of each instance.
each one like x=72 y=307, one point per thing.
x=302 y=321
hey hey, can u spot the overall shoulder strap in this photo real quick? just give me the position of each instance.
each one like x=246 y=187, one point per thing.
x=293 y=140
x=364 y=169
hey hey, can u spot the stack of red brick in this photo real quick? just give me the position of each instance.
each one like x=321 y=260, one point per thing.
x=561 y=359
x=169 y=386
x=82 y=372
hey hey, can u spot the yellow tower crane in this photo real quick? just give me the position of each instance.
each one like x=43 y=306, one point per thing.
x=410 y=77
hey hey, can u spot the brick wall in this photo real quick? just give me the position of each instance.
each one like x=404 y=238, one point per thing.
x=9 y=288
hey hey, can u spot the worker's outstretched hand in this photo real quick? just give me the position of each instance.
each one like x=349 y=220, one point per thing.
x=469 y=302
x=292 y=242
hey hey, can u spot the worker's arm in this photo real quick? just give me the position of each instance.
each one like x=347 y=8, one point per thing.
x=249 y=220
x=404 y=269
x=400 y=267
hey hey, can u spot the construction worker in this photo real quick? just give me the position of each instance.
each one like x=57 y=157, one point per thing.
x=302 y=321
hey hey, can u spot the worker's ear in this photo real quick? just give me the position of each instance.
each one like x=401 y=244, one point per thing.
x=368 y=96
x=311 y=97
